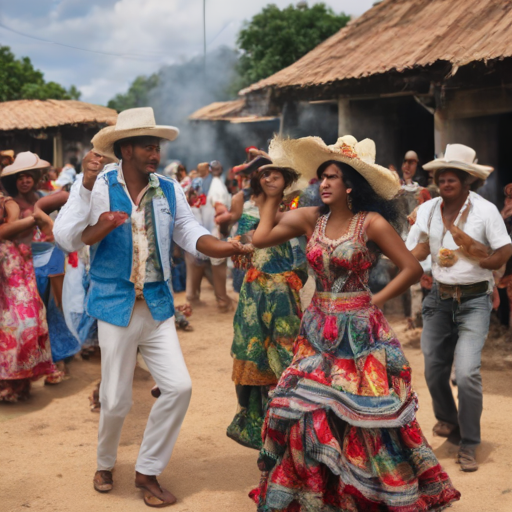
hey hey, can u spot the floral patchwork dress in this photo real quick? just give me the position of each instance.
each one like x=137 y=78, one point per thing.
x=340 y=433
x=25 y=352
x=266 y=324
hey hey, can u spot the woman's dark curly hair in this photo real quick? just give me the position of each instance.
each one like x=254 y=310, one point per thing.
x=290 y=177
x=364 y=198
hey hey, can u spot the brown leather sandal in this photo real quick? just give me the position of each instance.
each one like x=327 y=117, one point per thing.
x=103 y=481
x=151 y=499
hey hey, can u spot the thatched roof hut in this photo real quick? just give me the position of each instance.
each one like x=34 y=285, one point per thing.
x=410 y=74
x=393 y=42
x=51 y=127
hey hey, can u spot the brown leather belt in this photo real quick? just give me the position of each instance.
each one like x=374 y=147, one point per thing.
x=456 y=291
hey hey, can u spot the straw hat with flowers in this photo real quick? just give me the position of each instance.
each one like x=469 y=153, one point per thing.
x=307 y=154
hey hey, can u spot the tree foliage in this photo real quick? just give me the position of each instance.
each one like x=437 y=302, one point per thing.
x=137 y=95
x=20 y=81
x=275 y=39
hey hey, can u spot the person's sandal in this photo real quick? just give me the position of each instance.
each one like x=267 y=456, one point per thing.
x=103 y=481
x=151 y=499
x=467 y=459
x=443 y=429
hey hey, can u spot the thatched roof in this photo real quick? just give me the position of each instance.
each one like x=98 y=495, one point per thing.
x=230 y=111
x=397 y=35
x=37 y=114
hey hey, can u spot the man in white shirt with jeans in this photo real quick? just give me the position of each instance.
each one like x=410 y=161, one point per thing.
x=456 y=313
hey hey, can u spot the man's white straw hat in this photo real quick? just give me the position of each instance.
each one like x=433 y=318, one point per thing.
x=134 y=122
x=25 y=161
x=307 y=154
x=459 y=156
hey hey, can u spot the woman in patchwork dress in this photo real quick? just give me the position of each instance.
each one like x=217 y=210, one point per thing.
x=340 y=431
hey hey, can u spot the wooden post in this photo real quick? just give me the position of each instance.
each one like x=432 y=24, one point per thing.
x=57 y=150
x=344 y=124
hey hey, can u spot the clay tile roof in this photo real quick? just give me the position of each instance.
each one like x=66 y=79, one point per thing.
x=404 y=34
x=38 y=114
x=232 y=111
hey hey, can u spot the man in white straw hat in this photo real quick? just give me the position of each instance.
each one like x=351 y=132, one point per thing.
x=467 y=240
x=130 y=218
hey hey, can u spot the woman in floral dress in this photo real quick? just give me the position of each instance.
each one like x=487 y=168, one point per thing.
x=340 y=433
x=25 y=353
x=21 y=181
x=266 y=321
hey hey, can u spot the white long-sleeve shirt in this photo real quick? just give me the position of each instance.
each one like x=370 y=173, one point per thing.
x=483 y=223
x=84 y=208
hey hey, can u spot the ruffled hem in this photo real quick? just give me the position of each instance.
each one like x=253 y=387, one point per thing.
x=323 y=464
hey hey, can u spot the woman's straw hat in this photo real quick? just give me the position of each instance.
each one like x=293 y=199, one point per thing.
x=459 y=156
x=307 y=154
x=25 y=161
x=134 y=122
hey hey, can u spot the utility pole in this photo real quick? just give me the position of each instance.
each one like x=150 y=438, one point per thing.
x=204 y=38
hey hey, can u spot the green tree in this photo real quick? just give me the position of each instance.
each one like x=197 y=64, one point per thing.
x=275 y=39
x=20 y=81
x=137 y=95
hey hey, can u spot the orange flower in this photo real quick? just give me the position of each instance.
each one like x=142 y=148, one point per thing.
x=252 y=275
x=293 y=280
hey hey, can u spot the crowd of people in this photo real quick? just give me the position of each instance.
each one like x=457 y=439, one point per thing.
x=323 y=388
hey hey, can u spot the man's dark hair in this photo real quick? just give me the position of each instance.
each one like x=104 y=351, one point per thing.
x=464 y=177
x=129 y=141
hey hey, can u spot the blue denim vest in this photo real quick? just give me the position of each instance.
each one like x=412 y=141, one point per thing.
x=111 y=295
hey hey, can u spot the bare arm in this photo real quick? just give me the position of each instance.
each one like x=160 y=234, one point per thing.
x=421 y=251
x=391 y=245
x=52 y=202
x=13 y=225
x=237 y=206
x=275 y=228
x=215 y=248
x=498 y=258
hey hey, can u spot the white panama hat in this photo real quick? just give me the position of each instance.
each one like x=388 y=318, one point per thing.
x=459 y=156
x=307 y=154
x=25 y=161
x=134 y=122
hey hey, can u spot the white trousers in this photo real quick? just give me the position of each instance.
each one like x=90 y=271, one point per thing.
x=159 y=346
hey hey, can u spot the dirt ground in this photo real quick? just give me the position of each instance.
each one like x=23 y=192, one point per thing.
x=48 y=443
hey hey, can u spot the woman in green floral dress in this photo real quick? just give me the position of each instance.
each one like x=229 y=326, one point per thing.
x=266 y=321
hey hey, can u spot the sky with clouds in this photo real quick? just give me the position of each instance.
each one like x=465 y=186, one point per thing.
x=102 y=45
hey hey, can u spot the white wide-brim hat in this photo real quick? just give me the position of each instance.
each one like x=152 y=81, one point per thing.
x=25 y=161
x=459 y=156
x=134 y=122
x=307 y=154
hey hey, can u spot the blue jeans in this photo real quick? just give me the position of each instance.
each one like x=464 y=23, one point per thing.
x=456 y=330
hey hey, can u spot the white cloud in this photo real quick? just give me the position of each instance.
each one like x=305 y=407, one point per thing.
x=145 y=33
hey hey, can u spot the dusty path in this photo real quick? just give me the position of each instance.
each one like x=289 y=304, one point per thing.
x=48 y=444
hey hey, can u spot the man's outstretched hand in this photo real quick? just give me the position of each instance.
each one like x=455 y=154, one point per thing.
x=107 y=222
x=215 y=248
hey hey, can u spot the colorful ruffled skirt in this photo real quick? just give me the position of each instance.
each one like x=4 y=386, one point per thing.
x=340 y=432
